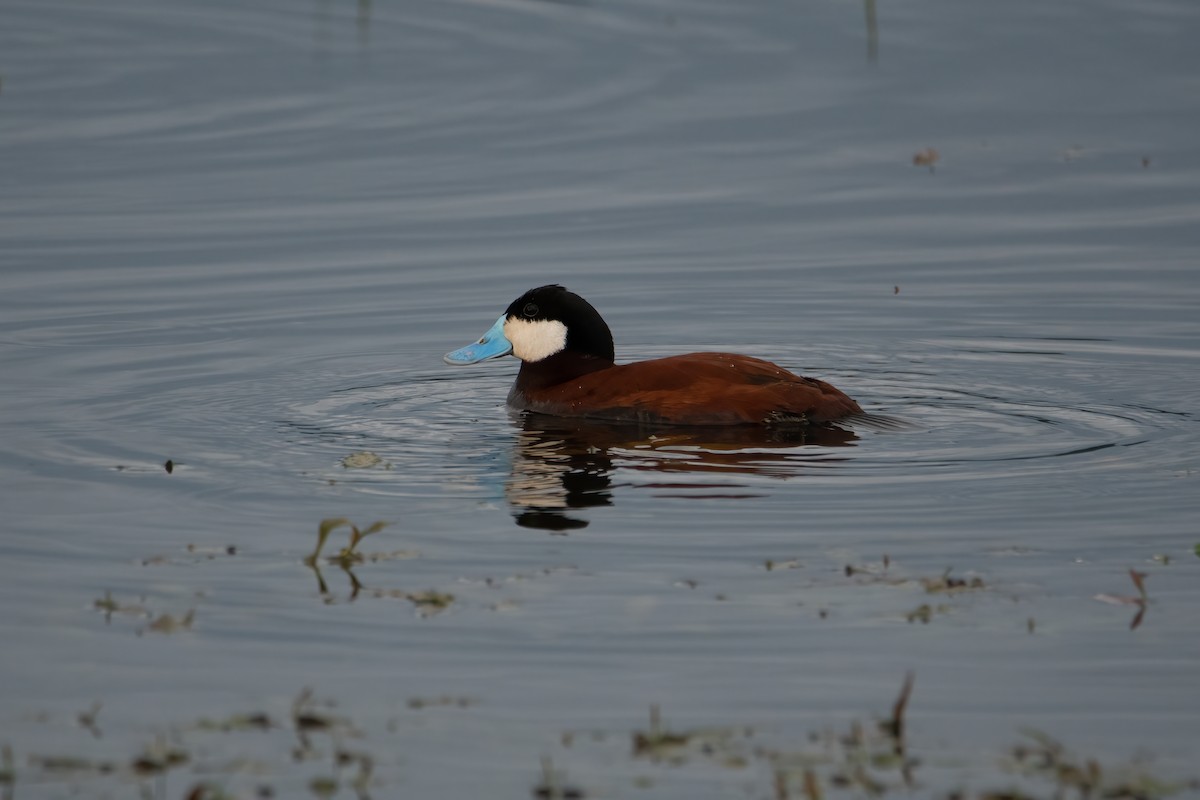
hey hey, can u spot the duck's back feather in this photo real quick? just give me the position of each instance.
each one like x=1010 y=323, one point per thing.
x=693 y=389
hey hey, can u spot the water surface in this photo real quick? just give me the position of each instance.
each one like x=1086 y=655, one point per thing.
x=241 y=240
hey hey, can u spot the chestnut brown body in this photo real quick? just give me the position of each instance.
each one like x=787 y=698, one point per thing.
x=568 y=370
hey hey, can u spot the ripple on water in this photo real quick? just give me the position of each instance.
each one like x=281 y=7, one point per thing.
x=447 y=431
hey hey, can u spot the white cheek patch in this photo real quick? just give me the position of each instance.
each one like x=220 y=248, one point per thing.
x=533 y=340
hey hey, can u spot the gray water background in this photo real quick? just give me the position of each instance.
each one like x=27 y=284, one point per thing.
x=241 y=237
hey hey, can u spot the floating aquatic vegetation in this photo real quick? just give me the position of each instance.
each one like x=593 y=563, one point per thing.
x=308 y=718
x=1141 y=600
x=863 y=758
x=875 y=572
x=71 y=765
x=924 y=612
x=660 y=744
x=945 y=584
x=212 y=791
x=254 y=721
x=323 y=786
x=161 y=623
x=430 y=601
x=869 y=759
x=159 y=758
x=417 y=703
x=365 y=764
x=166 y=623
x=196 y=553
x=1042 y=757
x=364 y=459
x=941 y=584
x=554 y=786
x=110 y=606
x=87 y=719
x=212 y=552
x=347 y=555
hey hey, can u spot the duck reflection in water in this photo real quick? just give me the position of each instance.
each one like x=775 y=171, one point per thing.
x=687 y=414
x=561 y=465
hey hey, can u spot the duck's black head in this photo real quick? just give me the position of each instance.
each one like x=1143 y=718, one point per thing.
x=549 y=319
x=541 y=323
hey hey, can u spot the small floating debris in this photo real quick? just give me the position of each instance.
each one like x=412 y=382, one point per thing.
x=323 y=786
x=213 y=552
x=430 y=601
x=893 y=726
x=926 y=158
x=722 y=746
x=417 y=703
x=165 y=623
x=87 y=719
x=159 y=758
x=253 y=721
x=924 y=612
x=364 y=459
x=658 y=742
x=307 y=719
x=212 y=791
x=945 y=584
x=1141 y=600
x=110 y=605
x=71 y=765
x=197 y=552
x=169 y=466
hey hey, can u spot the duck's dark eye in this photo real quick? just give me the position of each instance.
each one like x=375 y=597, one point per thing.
x=530 y=310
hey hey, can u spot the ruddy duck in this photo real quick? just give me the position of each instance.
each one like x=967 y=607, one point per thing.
x=568 y=370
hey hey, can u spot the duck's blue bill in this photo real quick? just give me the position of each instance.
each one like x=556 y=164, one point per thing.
x=491 y=345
